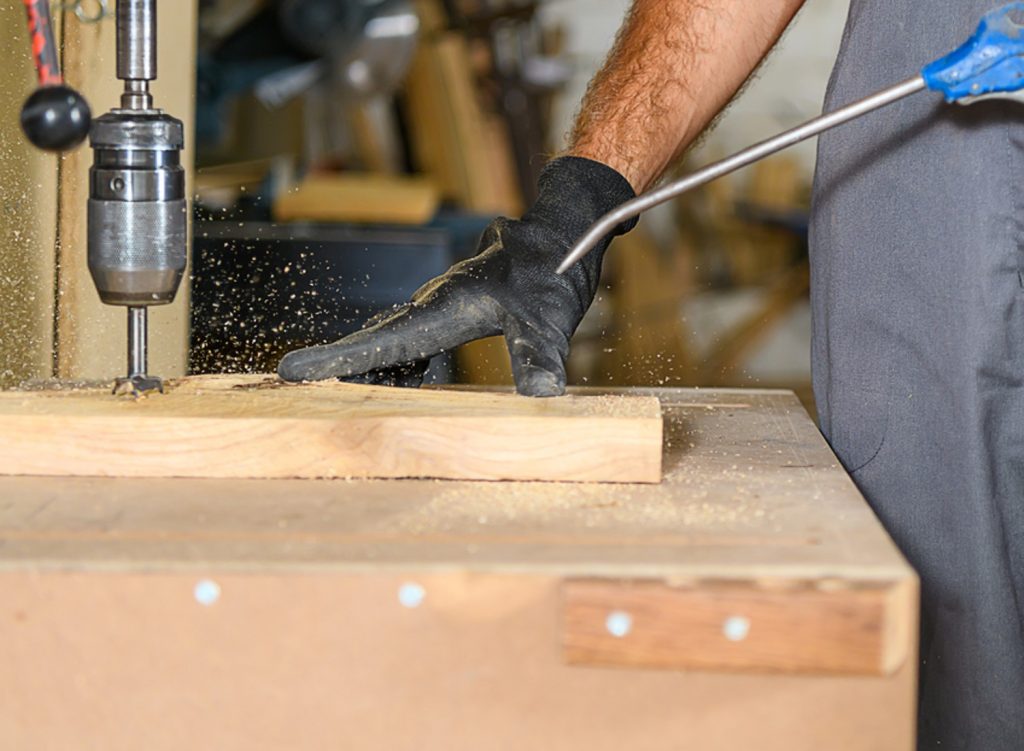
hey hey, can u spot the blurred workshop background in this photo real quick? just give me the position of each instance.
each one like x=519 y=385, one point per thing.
x=345 y=151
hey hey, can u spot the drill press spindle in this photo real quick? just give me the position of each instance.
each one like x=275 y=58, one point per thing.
x=137 y=205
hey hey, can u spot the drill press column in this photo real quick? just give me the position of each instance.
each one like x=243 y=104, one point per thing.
x=137 y=206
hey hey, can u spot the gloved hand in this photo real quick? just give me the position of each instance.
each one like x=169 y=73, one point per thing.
x=509 y=287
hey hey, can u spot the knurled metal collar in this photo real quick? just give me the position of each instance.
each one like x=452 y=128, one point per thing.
x=128 y=129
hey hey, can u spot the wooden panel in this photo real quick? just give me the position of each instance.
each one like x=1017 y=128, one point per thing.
x=257 y=426
x=829 y=627
x=325 y=659
x=359 y=198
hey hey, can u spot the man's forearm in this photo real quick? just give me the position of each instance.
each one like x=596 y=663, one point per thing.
x=675 y=65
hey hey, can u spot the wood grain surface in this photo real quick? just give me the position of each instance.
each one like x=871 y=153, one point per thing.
x=258 y=615
x=859 y=628
x=259 y=427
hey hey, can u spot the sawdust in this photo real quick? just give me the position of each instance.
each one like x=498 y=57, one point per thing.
x=690 y=497
x=709 y=484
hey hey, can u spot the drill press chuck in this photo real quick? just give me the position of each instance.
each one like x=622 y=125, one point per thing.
x=137 y=208
x=138 y=213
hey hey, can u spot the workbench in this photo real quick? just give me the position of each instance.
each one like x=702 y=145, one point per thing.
x=750 y=600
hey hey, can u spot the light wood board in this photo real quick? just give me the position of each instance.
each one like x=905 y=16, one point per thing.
x=361 y=198
x=260 y=427
x=308 y=645
x=462 y=147
x=711 y=625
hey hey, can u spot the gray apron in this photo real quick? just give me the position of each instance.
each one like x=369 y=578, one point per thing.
x=918 y=352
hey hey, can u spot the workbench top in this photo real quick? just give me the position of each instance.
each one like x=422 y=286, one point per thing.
x=750 y=490
x=750 y=600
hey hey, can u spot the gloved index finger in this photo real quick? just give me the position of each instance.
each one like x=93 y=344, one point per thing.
x=413 y=332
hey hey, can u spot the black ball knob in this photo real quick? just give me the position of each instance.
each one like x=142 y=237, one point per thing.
x=56 y=118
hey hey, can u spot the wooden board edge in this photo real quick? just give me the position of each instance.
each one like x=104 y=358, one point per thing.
x=902 y=608
x=414 y=207
x=825 y=627
x=316 y=448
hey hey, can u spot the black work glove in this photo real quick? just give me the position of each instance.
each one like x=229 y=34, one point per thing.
x=509 y=287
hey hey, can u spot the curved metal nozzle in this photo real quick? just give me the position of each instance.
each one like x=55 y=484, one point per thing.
x=637 y=206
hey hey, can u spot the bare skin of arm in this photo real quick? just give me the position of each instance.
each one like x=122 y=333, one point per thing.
x=675 y=65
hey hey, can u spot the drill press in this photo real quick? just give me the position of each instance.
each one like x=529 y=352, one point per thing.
x=137 y=213
x=137 y=206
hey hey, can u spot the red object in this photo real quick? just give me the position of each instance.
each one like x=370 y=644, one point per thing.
x=44 y=49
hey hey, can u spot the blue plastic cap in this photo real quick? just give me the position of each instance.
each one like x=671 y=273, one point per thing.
x=987 y=63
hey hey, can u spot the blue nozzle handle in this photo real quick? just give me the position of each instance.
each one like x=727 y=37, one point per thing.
x=990 y=63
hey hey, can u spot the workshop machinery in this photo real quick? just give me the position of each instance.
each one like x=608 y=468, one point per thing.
x=339 y=50
x=988 y=65
x=137 y=206
x=137 y=212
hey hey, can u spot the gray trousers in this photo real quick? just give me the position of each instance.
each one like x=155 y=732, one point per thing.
x=917 y=251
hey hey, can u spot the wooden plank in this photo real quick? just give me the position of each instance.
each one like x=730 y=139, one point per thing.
x=237 y=175
x=375 y=133
x=359 y=198
x=829 y=627
x=456 y=141
x=256 y=426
